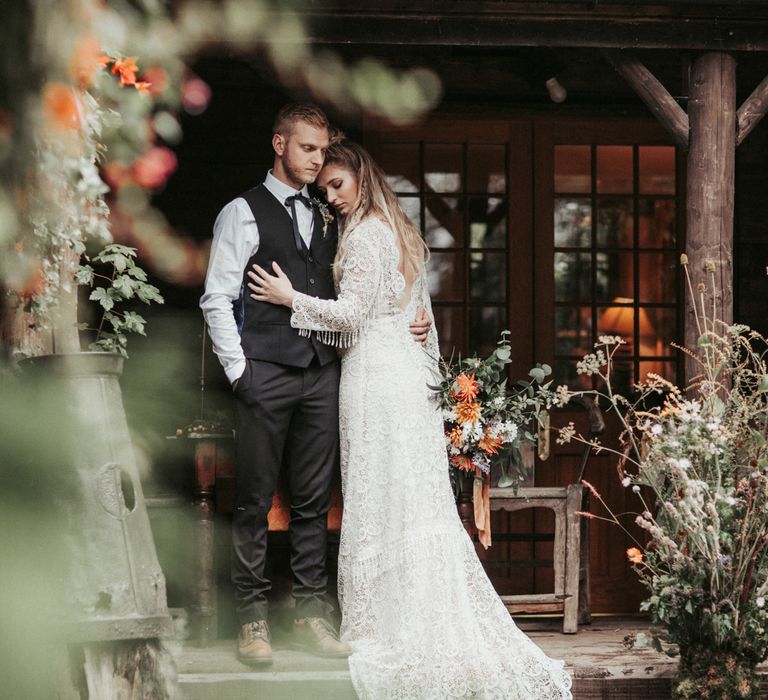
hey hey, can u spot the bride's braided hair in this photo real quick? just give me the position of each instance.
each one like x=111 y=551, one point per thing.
x=375 y=198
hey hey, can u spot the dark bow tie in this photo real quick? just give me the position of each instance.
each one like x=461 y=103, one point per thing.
x=291 y=202
x=298 y=198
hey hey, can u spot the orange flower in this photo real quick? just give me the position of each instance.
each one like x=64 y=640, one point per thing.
x=60 y=105
x=463 y=462
x=489 y=444
x=85 y=60
x=467 y=387
x=127 y=68
x=468 y=412
x=143 y=87
x=634 y=555
x=454 y=436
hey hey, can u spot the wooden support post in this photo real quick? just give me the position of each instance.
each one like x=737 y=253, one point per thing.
x=205 y=608
x=752 y=111
x=709 y=212
x=653 y=93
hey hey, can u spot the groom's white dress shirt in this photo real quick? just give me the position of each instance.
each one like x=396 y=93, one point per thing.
x=235 y=241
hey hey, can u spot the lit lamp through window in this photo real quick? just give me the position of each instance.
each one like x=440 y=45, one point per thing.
x=620 y=320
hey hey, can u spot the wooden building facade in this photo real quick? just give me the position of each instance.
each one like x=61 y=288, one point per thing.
x=561 y=220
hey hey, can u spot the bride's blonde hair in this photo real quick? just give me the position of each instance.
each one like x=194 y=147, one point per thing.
x=375 y=198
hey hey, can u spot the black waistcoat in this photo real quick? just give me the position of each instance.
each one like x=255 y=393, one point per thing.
x=265 y=332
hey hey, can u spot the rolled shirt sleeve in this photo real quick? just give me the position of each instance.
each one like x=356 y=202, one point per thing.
x=235 y=240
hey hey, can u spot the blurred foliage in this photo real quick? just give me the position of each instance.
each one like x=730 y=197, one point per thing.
x=90 y=116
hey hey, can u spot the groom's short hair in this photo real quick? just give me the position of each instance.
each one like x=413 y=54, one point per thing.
x=299 y=112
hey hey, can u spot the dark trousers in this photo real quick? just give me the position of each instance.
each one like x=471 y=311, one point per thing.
x=286 y=417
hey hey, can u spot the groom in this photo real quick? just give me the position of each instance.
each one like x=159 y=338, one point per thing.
x=286 y=386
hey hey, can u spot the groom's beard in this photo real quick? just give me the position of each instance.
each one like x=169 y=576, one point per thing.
x=306 y=174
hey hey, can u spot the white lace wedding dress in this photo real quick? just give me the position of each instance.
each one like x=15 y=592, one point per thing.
x=418 y=610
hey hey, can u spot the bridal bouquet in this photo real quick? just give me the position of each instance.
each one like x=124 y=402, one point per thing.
x=487 y=421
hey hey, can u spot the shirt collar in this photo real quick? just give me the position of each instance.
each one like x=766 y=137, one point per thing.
x=280 y=190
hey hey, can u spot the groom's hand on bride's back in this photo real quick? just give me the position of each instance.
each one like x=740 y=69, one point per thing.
x=420 y=326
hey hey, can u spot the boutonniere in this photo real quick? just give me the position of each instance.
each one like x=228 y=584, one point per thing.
x=325 y=212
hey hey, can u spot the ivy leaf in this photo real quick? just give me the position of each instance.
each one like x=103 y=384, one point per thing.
x=133 y=322
x=84 y=275
x=100 y=294
x=148 y=293
x=124 y=285
x=137 y=272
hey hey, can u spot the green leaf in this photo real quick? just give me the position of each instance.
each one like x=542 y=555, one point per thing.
x=124 y=285
x=538 y=374
x=763 y=384
x=547 y=369
x=689 y=607
x=148 y=293
x=703 y=341
x=100 y=294
x=137 y=272
x=84 y=275
x=503 y=353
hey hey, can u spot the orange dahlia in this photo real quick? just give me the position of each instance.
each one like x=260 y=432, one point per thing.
x=467 y=386
x=489 y=443
x=468 y=412
x=454 y=435
x=463 y=462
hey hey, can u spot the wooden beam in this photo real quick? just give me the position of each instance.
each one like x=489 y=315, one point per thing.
x=434 y=25
x=653 y=93
x=709 y=207
x=752 y=111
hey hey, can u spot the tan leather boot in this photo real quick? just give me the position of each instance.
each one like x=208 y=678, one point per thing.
x=253 y=643
x=317 y=636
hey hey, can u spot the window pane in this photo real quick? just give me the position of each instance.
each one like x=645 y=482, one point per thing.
x=573 y=330
x=400 y=161
x=488 y=276
x=487 y=222
x=573 y=169
x=658 y=328
x=444 y=222
x=485 y=326
x=573 y=223
x=486 y=168
x=446 y=276
x=614 y=223
x=573 y=277
x=664 y=368
x=614 y=276
x=656 y=223
x=442 y=167
x=657 y=169
x=658 y=276
x=614 y=169
x=449 y=321
x=565 y=373
x=412 y=208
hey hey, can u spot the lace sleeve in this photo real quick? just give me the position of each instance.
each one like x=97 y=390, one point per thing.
x=432 y=348
x=338 y=321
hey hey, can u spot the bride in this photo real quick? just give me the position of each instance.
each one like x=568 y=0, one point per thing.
x=418 y=610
